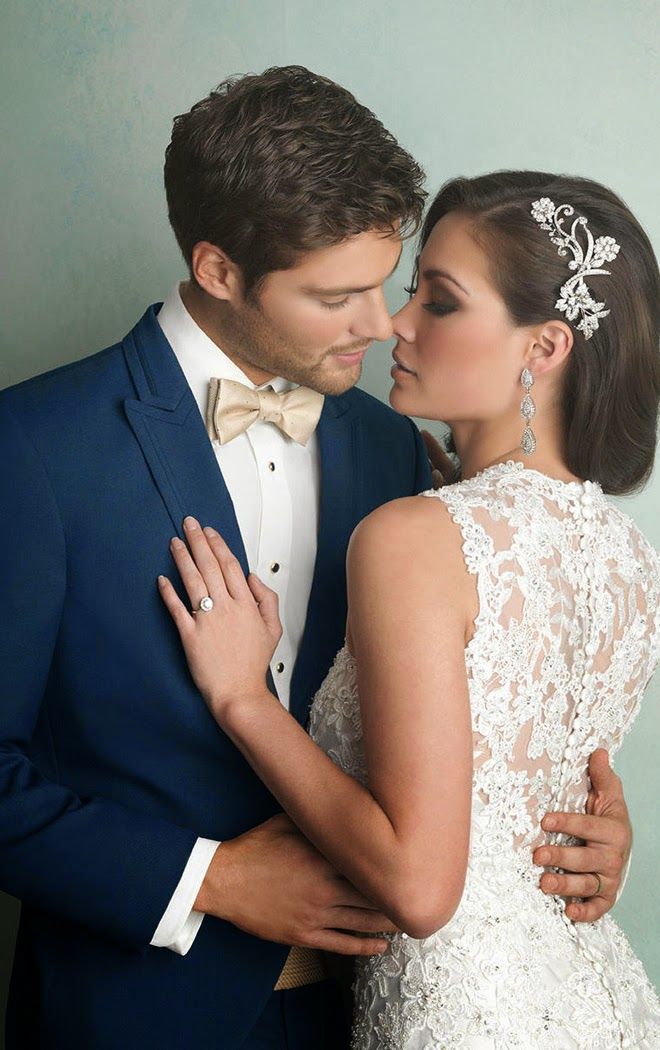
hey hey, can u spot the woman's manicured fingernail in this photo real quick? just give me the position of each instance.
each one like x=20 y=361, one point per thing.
x=162 y=580
x=209 y=531
x=190 y=523
x=176 y=543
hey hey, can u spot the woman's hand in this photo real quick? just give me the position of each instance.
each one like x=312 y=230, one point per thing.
x=229 y=647
x=443 y=470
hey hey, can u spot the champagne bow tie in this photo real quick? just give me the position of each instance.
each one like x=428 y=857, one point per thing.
x=233 y=407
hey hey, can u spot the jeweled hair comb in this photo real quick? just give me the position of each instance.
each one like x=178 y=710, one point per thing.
x=575 y=299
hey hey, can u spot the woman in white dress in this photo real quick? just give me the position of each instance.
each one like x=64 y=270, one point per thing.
x=500 y=629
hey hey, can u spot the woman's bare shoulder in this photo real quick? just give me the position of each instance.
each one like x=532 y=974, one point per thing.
x=415 y=523
x=414 y=545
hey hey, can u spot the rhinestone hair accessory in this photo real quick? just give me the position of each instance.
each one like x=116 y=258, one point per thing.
x=574 y=296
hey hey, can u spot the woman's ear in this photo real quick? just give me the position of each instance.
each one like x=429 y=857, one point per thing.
x=215 y=272
x=552 y=344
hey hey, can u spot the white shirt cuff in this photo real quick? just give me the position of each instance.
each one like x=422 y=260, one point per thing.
x=179 y=925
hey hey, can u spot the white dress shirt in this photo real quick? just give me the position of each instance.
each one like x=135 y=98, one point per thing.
x=267 y=475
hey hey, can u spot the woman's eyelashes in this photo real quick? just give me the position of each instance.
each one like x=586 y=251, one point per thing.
x=439 y=306
x=439 y=309
x=334 y=306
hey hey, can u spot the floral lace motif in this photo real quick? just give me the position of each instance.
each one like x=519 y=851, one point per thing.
x=565 y=641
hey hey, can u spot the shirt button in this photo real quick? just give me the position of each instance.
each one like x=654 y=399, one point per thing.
x=274 y=566
x=271 y=466
x=279 y=668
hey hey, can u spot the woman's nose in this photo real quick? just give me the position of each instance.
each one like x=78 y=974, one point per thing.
x=403 y=323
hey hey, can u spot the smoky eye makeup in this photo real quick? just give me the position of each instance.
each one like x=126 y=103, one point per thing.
x=438 y=308
x=439 y=300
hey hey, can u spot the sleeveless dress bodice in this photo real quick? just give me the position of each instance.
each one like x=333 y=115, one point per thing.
x=565 y=641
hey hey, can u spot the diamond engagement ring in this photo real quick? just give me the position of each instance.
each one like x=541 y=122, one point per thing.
x=205 y=605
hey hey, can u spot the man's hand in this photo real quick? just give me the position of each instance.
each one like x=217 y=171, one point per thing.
x=607 y=835
x=442 y=468
x=272 y=883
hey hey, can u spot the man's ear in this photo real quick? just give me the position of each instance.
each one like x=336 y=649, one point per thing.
x=215 y=272
x=551 y=345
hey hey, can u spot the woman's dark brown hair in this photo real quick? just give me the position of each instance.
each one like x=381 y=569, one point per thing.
x=612 y=382
x=272 y=165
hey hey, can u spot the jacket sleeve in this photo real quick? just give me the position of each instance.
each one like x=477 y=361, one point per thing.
x=88 y=860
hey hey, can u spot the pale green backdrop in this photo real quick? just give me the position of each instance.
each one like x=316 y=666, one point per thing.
x=89 y=90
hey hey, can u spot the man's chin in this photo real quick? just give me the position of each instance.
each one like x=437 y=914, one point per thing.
x=341 y=382
x=335 y=381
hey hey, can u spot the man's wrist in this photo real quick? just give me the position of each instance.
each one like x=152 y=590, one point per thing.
x=215 y=892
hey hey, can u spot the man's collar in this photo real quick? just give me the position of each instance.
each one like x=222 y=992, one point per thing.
x=200 y=358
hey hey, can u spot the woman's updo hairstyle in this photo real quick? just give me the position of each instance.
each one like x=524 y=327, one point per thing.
x=612 y=381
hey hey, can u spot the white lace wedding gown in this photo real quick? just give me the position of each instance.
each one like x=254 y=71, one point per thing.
x=566 y=639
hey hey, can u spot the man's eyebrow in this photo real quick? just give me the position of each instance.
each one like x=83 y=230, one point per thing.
x=428 y=275
x=351 y=291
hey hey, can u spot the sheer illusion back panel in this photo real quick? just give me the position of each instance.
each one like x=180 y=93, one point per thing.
x=564 y=642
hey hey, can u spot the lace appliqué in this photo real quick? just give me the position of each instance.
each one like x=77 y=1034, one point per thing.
x=565 y=641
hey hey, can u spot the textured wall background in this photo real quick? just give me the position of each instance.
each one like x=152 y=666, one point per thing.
x=89 y=91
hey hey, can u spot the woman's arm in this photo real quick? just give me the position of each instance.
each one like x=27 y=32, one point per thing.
x=404 y=841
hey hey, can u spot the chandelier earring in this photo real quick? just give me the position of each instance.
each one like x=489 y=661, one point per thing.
x=527 y=411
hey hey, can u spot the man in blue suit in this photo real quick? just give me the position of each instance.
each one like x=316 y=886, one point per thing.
x=166 y=903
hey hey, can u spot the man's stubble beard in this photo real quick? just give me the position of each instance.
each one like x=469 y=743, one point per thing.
x=256 y=343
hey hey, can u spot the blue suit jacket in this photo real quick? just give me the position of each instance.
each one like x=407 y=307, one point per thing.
x=110 y=763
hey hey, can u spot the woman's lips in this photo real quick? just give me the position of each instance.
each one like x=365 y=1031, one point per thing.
x=399 y=370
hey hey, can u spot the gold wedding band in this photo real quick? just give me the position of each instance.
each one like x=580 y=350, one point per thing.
x=600 y=884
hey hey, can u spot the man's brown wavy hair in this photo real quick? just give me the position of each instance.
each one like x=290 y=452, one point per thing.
x=270 y=166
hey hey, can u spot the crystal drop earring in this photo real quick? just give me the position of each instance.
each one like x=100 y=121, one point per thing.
x=527 y=411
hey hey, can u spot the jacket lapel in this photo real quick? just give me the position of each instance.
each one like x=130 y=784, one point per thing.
x=339 y=434
x=169 y=428
x=167 y=423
